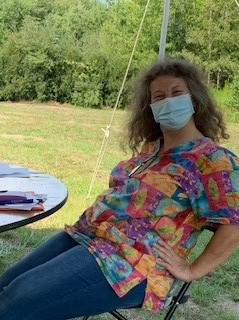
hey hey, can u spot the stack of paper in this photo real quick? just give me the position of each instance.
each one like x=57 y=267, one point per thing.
x=7 y=171
x=17 y=200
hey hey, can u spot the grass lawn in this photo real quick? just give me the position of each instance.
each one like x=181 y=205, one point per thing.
x=65 y=141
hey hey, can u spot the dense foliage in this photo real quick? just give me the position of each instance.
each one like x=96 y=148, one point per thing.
x=77 y=51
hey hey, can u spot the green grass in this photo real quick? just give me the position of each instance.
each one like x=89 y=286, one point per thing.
x=222 y=97
x=65 y=141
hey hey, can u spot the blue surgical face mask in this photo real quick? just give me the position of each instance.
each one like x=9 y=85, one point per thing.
x=174 y=112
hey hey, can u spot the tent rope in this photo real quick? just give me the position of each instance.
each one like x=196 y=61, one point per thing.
x=237 y=3
x=107 y=130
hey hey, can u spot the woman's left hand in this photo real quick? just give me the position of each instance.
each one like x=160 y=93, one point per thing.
x=178 y=267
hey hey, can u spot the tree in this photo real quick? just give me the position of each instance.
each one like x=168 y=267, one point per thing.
x=214 y=40
x=77 y=51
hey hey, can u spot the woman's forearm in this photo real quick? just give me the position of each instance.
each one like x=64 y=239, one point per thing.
x=220 y=247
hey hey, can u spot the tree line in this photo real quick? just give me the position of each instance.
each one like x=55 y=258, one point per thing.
x=77 y=51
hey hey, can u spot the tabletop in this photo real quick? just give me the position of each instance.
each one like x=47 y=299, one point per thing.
x=40 y=183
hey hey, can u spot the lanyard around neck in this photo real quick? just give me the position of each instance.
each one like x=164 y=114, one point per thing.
x=147 y=162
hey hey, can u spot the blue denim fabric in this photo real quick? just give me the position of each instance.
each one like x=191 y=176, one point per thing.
x=59 y=280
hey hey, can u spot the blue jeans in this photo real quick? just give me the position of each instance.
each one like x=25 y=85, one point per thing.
x=60 y=280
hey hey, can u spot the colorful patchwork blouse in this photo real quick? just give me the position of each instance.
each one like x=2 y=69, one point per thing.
x=179 y=192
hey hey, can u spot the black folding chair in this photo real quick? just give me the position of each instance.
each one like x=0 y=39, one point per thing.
x=180 y=298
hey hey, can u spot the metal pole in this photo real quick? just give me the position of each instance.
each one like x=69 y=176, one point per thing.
x=164 y=29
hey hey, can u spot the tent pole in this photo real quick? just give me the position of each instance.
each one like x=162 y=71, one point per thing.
x=164 y=29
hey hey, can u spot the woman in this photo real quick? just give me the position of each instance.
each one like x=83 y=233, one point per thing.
x=130 y=247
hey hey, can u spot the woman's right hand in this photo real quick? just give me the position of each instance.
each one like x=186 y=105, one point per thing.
x=170 y=260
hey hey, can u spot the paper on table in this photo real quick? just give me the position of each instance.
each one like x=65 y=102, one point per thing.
x=16 y=197
x=7 y=171
x=32 y=201
x=35 y=205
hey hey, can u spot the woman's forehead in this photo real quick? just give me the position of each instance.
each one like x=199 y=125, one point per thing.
x=166 y=82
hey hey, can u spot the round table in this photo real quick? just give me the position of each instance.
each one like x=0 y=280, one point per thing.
x=38 y=182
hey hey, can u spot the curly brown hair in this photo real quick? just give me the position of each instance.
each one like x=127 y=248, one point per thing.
x=142 y=128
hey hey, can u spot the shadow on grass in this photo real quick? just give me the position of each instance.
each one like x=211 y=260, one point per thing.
x=16 y=244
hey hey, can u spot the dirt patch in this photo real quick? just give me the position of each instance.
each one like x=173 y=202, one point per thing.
x=221 y=303
x=228 y=305
x=22 y=137
x=14 y=136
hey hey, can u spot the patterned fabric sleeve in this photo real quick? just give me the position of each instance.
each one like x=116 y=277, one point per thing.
x=220 y=179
